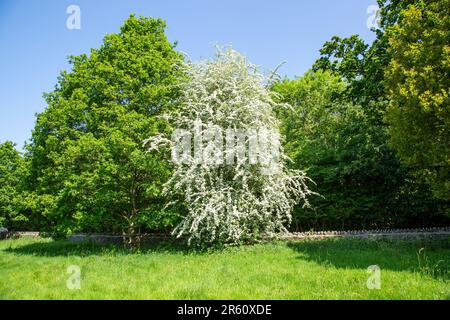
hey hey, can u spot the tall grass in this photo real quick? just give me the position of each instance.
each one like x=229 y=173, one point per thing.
x=325 y=269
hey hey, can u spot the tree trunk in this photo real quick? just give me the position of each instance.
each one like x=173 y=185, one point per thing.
x=131 y=234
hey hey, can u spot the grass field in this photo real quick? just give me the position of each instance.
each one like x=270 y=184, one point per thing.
x=326 y=269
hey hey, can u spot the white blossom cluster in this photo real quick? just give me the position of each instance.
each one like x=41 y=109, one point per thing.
x=249 y=195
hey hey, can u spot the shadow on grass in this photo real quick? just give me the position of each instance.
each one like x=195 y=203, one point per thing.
x=66 y=248
x=430 y=257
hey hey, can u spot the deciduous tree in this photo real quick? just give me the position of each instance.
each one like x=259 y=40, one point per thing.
x=229 y=201
x=418 y=82
x=87 y=158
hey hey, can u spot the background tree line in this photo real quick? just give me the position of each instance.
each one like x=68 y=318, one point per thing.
x=370 y=123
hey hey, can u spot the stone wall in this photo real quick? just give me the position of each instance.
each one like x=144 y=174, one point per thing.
x=441 y=233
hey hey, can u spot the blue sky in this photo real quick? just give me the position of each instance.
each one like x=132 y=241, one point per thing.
x=35 y=41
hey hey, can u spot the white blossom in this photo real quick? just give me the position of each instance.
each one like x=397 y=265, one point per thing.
x=231 y=201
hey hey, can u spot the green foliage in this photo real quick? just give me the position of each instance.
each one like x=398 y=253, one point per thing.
x=418 y=80
x=16 y=203
x=86 y=169
x=407 y=201
x=360 y=179
x=361 y=64
x=88 y=166
x=11 y=169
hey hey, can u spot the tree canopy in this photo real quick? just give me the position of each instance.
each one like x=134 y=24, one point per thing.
x=345 y=153
x=236 y=185
x=418 y=83
x=12 y=171
x=369 y=123
x=86 y=150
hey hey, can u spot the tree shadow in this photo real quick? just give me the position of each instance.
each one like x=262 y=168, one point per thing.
x=429 y=257
x=83 y=249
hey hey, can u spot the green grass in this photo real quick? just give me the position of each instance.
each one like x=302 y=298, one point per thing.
x=328 y=269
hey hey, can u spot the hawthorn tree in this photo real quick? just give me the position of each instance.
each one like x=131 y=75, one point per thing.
x=88 y=165
x=236 y=186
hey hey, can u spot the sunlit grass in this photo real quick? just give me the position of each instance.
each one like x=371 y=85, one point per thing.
x=329 y=269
